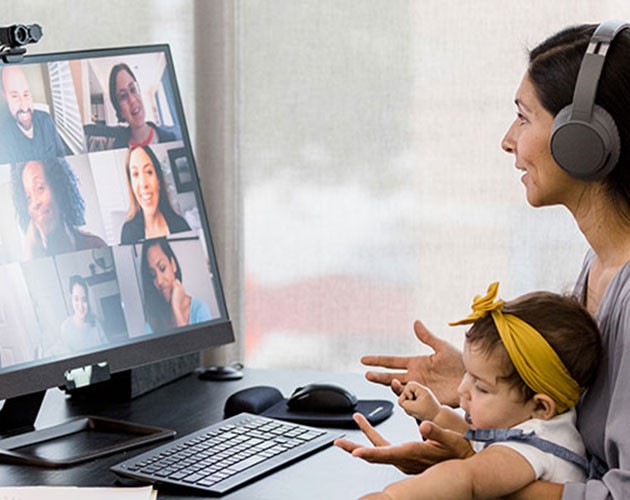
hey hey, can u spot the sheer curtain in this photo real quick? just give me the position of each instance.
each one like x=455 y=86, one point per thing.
x=375 y=190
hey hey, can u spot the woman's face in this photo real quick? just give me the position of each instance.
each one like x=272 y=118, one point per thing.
x=528 y=140
x=42 y=206
x=162 y=271
x=145 y=184
x=79 y=302
x=129 y=99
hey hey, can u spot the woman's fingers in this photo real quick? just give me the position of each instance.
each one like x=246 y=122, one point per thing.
x=370 y=432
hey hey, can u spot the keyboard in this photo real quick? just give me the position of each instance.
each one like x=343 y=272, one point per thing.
x=228 y=454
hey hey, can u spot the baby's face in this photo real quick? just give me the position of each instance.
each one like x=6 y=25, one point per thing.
x=488 y=400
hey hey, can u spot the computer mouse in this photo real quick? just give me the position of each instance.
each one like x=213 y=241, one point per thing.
x=326 y=398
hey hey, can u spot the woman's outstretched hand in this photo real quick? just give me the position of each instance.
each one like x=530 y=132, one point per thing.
x=441 y=371
x=413 y=457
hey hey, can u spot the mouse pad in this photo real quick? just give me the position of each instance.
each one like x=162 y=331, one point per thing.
x=269 y=402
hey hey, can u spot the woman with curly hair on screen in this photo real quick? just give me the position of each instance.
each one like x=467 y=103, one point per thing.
x=50 y=208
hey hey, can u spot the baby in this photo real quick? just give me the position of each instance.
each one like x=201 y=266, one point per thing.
x=527 y=363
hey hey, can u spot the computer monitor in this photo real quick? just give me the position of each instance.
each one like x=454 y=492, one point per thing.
x=106 y=255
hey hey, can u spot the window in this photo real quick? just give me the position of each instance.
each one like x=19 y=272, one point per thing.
x=66 y=111
x=375 y=189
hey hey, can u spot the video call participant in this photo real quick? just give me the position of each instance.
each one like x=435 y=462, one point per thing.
x=81 y=330
x=124 y=93
x=50 y=208
x=28 y=134
x=167 y=304
x=150 y=211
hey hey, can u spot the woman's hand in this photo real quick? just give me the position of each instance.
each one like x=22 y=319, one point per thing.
x=31 y=240
x=413 y=457
x=441 y=371
x=178 y=304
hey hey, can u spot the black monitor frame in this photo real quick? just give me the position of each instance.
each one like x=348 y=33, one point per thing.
x=23 y=387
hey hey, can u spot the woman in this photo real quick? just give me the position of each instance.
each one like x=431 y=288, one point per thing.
x=150 y=212
x=124 y=93
x=81 y=330
x=50 y=208
x=167 y=304
x=601 y=208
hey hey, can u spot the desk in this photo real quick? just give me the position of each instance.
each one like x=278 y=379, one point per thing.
x=189 y=404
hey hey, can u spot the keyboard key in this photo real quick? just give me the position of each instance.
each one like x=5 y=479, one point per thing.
x=248 y=462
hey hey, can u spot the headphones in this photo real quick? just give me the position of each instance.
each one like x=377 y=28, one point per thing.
x=584 y=137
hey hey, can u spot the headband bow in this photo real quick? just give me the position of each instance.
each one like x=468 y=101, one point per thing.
x=534 y=359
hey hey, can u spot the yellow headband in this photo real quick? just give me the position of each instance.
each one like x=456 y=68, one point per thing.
x=534 y=359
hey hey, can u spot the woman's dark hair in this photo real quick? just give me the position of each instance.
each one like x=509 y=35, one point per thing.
x=164 y=203
x=63 y=184
x=113 y=74
x=553 y=68
x=76 y=280
x=564 y=323
x=158 y=311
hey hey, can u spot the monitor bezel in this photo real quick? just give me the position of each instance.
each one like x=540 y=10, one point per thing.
x=44 y=374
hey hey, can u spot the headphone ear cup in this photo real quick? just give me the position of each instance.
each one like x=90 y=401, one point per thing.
x=585 y=150
x=608 y=128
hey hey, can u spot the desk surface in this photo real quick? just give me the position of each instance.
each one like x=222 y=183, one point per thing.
x=189 y=404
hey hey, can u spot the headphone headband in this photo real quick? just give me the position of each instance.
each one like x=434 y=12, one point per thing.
x=591 y=68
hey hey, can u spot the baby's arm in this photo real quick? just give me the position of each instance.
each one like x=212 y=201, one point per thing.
x=420 y=403
x=494 y=472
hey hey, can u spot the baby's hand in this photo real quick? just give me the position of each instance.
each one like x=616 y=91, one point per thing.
x=419 y=402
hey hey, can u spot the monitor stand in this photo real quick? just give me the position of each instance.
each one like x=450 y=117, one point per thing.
x=18 y=414
x=82 y=438
x=75 y=441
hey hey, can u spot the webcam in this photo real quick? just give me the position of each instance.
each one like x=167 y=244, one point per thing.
x=13 y=38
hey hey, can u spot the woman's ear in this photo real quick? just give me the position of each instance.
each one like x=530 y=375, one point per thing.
x=544 y=407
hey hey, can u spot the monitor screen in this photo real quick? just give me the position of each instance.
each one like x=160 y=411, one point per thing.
x=106 y=256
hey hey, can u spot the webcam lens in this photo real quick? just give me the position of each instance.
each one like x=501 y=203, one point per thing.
x=20 y=34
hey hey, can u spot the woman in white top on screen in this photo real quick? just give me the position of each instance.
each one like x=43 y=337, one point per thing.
x=81 y=330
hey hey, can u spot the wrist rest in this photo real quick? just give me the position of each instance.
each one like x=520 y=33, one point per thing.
x=269 y=402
